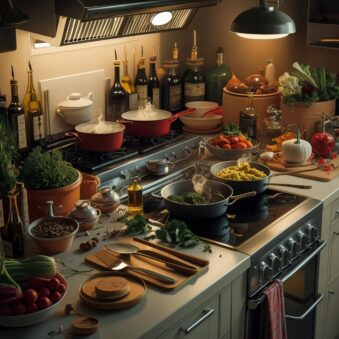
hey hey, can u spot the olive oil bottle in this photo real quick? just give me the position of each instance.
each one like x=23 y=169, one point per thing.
x=135 y=197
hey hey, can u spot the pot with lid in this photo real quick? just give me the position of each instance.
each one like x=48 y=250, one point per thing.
x=86 y=215
x=106 y=200
x=76 y=109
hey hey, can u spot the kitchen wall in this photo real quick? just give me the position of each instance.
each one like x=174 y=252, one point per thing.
x=212 y=24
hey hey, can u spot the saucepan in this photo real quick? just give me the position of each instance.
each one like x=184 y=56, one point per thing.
x=259 y=186
x=219 y=196
x=159 y=166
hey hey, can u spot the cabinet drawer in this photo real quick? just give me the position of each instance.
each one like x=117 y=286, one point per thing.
x=335 y=212
x=331 y=328
x=225 y=311
x=200 y=324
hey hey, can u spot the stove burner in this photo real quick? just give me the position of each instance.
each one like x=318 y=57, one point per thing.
x=147 y=144
x=91 y=161
x=283 y=198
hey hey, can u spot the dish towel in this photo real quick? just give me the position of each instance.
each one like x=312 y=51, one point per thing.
x=276 y=328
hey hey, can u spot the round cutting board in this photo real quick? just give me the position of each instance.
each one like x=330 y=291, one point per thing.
x=88 y=291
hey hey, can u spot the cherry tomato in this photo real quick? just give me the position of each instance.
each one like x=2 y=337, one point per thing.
x=234 y=140
x=44 y=302
x=53 y=284
x=30 y=296
x=240 y=145
x=43 y=292
x=321 y=161
x=226 y=146
x=328 y=168
x=333 y=155
x=31 y=308
x=56 y=296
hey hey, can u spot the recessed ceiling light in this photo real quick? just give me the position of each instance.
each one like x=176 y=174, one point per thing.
x=161 y=18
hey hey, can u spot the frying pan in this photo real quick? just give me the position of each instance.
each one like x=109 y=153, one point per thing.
x=220 y=196
x=259 y=186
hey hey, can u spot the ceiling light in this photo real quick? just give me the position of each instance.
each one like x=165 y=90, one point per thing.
x=161 y=18
x=263 y=22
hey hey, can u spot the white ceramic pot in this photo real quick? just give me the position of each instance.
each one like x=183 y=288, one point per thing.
x=75 y=109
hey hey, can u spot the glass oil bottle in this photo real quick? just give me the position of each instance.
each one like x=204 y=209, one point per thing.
x=135 y=197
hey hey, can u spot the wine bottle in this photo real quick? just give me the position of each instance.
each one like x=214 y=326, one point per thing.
x=117 y=98
x=194 y=81
x=33 y=114
x=248 y=118
x=217 y=78
x=127 y=84
x=3 y=110
x=141 y=82
x=153 y=82
x=12 y=233
x=171 y=91
x=16 y=116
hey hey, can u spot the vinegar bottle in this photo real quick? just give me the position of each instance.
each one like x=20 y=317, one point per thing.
x=12 y=234
x=135 y=198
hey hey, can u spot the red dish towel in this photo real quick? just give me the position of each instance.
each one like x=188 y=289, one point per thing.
x=276 y=310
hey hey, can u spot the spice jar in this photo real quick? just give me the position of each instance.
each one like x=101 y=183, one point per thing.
x=135 y=197
x=85 y=215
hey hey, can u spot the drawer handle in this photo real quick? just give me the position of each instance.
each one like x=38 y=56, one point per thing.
x=206 y=313
x=335 y=233
x=337 y=212
x=331 y=292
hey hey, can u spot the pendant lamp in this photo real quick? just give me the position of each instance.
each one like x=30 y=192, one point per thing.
x=263 y=22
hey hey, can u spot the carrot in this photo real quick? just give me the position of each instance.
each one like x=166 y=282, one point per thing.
x=248 y=143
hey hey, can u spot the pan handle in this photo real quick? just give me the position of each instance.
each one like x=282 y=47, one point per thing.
x=235 y=198
x=156 y=196
x=76 y=135
x=176 y=116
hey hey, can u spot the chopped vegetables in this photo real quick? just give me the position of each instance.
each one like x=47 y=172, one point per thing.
x=231 y=142
x=191 y=198
x=137 y=225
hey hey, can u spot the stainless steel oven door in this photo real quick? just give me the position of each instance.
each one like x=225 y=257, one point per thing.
x=300 y=295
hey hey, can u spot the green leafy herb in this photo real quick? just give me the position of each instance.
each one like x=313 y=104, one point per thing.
x=191 y=198
x=231 y=129
x=137 y=225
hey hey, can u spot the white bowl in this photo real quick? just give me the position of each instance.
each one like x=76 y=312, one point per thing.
x=32 y=318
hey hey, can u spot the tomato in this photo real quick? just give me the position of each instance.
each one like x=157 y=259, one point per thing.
x=53 y=284
x=328 y=168
x=226 y=146
x=44 y=302
x=43 y=292
x=19 y=309
x=31 y=308
x=322 y=143
x=56 y=296
x=240 y=145
x=321 y=161
x=333 y=155
x=234 y=140
x=30 y=296
x=62 y=288
x=248 y=143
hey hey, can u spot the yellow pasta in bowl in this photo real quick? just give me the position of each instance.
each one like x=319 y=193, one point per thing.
x=241 y=172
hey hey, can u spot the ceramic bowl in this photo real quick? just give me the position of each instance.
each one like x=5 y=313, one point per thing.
x=33 y=318
x=231 y=154
x=52 y=246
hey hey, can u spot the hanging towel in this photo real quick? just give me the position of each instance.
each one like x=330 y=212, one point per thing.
x=276 y=328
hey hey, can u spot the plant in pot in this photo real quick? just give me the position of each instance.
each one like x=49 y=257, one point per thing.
x=307 y=92
x=48 y=177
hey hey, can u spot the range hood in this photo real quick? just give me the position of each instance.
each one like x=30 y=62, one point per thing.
x=65 y=22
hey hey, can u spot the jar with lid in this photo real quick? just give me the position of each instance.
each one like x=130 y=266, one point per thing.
x=248 y=118
x=135 y=197
x=273 y=126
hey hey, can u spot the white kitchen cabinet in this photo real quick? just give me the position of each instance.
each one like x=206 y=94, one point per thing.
x=334 y=251
x=332 y=327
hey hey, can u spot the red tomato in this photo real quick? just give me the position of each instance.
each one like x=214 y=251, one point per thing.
x=30 y=296
x=328 y=168
x=62 y=288
x=322 y=143
x=53 y=284
x=234 y=140
x=55 y=296
x=226 y=146
x=44 y=302
x=333 y=155
x=321 y=161
x=31 y=308
x=19 y=309
x=240 y=145
x=43 y=292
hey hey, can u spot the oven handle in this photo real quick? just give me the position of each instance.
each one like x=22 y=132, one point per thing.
x=309 y=310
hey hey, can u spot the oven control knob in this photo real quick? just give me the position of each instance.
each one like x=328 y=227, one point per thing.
x=275 y=264
x=265 y=273
x=292 y=248
x=312 y=233
x=284 y=257
x=302 y=240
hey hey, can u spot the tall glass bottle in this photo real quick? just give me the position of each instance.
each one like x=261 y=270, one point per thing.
x=16 y=116
x=12 y=234
x=33 y=114
x=3 y=110
x=153 y=82
x=194 y=81
x=135 y=197
x=127 y=84
x=117 y=98
x=248 y=118
x=171 y=91
x=217 y=78
x=141 y=82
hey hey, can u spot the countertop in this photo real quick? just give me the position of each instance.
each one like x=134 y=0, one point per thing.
x=154 y=313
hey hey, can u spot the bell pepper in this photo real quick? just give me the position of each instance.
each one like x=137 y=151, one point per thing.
x=322 y=143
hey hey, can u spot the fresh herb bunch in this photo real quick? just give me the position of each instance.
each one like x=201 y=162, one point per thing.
x=46 y=170
x=231 y=129
x=307 y=84
x=137 y=225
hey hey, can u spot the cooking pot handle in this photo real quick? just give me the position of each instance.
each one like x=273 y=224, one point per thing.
x=215 y=111
x=73 y=134
x=60 y=113
x=124 y=122
x=177 y=115
x=235 y=198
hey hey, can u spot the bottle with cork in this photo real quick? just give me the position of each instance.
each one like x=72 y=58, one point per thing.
x=248 y=118
x=194 y=81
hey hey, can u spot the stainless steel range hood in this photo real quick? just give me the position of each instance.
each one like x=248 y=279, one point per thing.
x=65 y=22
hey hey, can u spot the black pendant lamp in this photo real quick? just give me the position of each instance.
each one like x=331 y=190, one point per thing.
x=263 y=22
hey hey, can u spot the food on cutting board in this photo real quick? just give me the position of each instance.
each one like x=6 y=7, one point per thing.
x=297 y=150
x=276 y=147
x=241 y=172
x=191 y=198
x=231 y=138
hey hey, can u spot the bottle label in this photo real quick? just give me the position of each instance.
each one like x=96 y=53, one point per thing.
x=142 y=95
x=22 y=136
x=8 y=248
x=133 y=101
x=175 y=94
x=2 y=221
x=156 y=97
x=194 y=92
x=38 y=127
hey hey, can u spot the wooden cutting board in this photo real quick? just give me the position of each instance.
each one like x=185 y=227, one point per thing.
x=317 y=174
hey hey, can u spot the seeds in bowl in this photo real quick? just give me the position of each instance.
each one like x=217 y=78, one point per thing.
x=52 y=229
x=241 y=172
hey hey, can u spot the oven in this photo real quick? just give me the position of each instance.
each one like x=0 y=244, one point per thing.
x=294 y=260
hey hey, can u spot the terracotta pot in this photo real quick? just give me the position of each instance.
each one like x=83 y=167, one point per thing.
x=308 y=118
x=63 y=199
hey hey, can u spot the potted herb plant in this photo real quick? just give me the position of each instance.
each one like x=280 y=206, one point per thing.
x=48 y=177
x=306 y=93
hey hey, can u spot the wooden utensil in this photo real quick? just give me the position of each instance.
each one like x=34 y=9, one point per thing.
x=116 y=264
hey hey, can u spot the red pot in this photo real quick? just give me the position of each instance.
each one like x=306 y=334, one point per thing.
x=153 y=124
x=93 y=141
